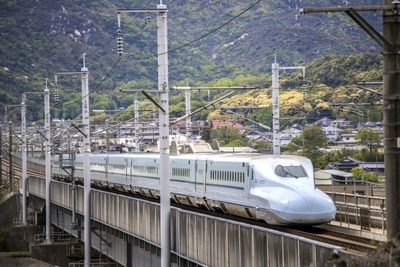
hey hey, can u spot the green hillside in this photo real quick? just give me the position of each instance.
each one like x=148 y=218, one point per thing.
x=211 y=43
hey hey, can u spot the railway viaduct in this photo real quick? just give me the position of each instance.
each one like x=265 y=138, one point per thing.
x=126 y=232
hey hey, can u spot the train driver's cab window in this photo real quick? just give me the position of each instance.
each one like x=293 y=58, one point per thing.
x=290 y=171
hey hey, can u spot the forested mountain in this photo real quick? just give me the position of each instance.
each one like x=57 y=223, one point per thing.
x=211 y=43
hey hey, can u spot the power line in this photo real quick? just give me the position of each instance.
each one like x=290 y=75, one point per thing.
x=206 y=34
x=105 y=77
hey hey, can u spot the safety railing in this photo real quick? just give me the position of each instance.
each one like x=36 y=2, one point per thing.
x=93 y=264
x=367 y=212
x=56 y=237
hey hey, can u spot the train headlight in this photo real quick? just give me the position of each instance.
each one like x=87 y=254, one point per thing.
x=285 y=201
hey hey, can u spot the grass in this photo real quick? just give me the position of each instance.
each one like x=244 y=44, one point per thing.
x=14 y=254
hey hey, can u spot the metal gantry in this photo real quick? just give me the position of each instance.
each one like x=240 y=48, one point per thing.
x=24 y=154
x=276 y=142
x=10 y=142
x=163 y=105
x=86 y=157
x=48 y=163
x=390 y=43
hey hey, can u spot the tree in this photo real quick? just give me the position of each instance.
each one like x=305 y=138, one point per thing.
x=314 y=139
x=360 y=174
x=226 y=134
x=294 y=145
x=368 y=137
x=206 y=133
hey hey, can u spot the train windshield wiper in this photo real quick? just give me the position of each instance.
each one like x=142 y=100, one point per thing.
x=290 y=171
x=295 y=171
x=291 y=174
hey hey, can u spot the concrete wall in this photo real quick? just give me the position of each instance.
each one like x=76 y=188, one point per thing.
x=9 y=210
x=55 y=254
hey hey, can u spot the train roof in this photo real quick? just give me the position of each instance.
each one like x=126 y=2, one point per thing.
x=211 y=156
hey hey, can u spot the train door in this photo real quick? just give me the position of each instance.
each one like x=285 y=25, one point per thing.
x=196 y=162
x=126 y=169
x=131 y=169
x=250 y=178
x=200 y=176
x=106 y=167
x=205 y=167
x=248 y=181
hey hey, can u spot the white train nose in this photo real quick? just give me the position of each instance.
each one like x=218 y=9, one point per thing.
x=310 y=210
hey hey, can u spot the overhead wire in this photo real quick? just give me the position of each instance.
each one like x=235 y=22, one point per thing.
x=182 y=46
x=116 y=62
x=174 y=49
x=113 y=38
x=193 y=41
x=128 y=120
x=206 y=34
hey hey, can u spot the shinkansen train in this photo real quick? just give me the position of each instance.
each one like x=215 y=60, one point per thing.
x=277 y=189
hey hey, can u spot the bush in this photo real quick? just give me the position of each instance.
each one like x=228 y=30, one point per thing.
x=4 y=234
x=360 y=174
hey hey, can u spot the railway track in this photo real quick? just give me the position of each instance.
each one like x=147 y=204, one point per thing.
x=17 y=170
x=349 y=243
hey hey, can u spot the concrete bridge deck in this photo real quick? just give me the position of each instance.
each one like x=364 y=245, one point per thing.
x=127 y=230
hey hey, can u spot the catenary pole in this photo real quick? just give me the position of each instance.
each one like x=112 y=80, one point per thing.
x=390 y=43
x=86 y=159
x=391 y=117
x=47 y=163
x=86 y=163
x=163 y=89
x=137 y=126
x=163 y=105
x=23 y=157
x=1 y=155
x=10 y=158
x=276 y=142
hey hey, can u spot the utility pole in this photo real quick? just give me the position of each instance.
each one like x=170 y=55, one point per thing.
x=10 y=161
x=24 y=157
x=24 y=154
x=86 y=162
x=276 y=140
x=163 y=89
x=47 y=158
x=163 y=92
x=86 y=159
x=390 y=43
x=1 y=155
x=137 y=126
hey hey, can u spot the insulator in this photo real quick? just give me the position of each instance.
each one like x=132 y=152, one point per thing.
x=56 y=95
x=120 y=44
